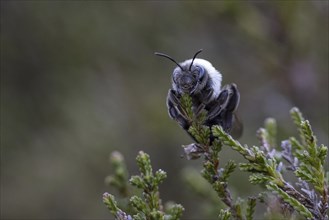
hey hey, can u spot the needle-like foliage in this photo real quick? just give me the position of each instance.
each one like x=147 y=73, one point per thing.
x=267 y=162
x=148 y=206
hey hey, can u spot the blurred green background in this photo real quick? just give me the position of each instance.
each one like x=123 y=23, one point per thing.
x=79 y=80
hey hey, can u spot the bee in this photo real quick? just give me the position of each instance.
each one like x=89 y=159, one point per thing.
x=202 y=82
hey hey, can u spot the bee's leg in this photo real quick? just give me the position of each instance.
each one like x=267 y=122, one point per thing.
x=234 y=98
x=222 y=109
x=218 y=104
x=174 y=110
x=226 y=116
x=172 y=102
x=206 y=99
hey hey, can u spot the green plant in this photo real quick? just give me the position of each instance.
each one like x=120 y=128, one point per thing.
x=268 y=163
x=148 y=205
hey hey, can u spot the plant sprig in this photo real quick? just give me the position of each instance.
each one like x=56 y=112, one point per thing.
x=149 y=205
x=265 y=164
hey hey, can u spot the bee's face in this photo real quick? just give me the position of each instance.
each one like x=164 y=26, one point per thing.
x=194 y=75
x=189 y=81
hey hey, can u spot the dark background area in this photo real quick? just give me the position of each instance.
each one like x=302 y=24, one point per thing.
x=80 y=80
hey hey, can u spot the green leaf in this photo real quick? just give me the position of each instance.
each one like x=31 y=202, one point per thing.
x=297 y=116
x=309 y=138
x=140 y=216
x=144 y=163
x=295 y=144
x=323 y=151
x=252 y=167
x=110 y=202
x=290 y=200
x=160 y=176
x=139 y=204
x=229 y=141
x=224 y=214
x=156 y=215
x=229 y=168
x=186 y=102
x=175 y=212
x=137 y=181
x=257 y=178
x=271 y=128
x=251 y=204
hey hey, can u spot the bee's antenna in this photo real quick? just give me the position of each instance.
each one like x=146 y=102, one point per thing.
x=196 y=54
x=166 y=56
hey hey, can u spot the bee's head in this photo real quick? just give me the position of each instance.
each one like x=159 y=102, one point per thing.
x=192 y=75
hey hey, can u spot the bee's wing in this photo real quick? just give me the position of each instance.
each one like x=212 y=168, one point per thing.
x=237 y=127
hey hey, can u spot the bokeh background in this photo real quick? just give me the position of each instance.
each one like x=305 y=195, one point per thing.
x=80 y=80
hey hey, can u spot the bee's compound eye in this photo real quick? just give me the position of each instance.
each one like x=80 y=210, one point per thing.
x=200 y=71
x=175 y=76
